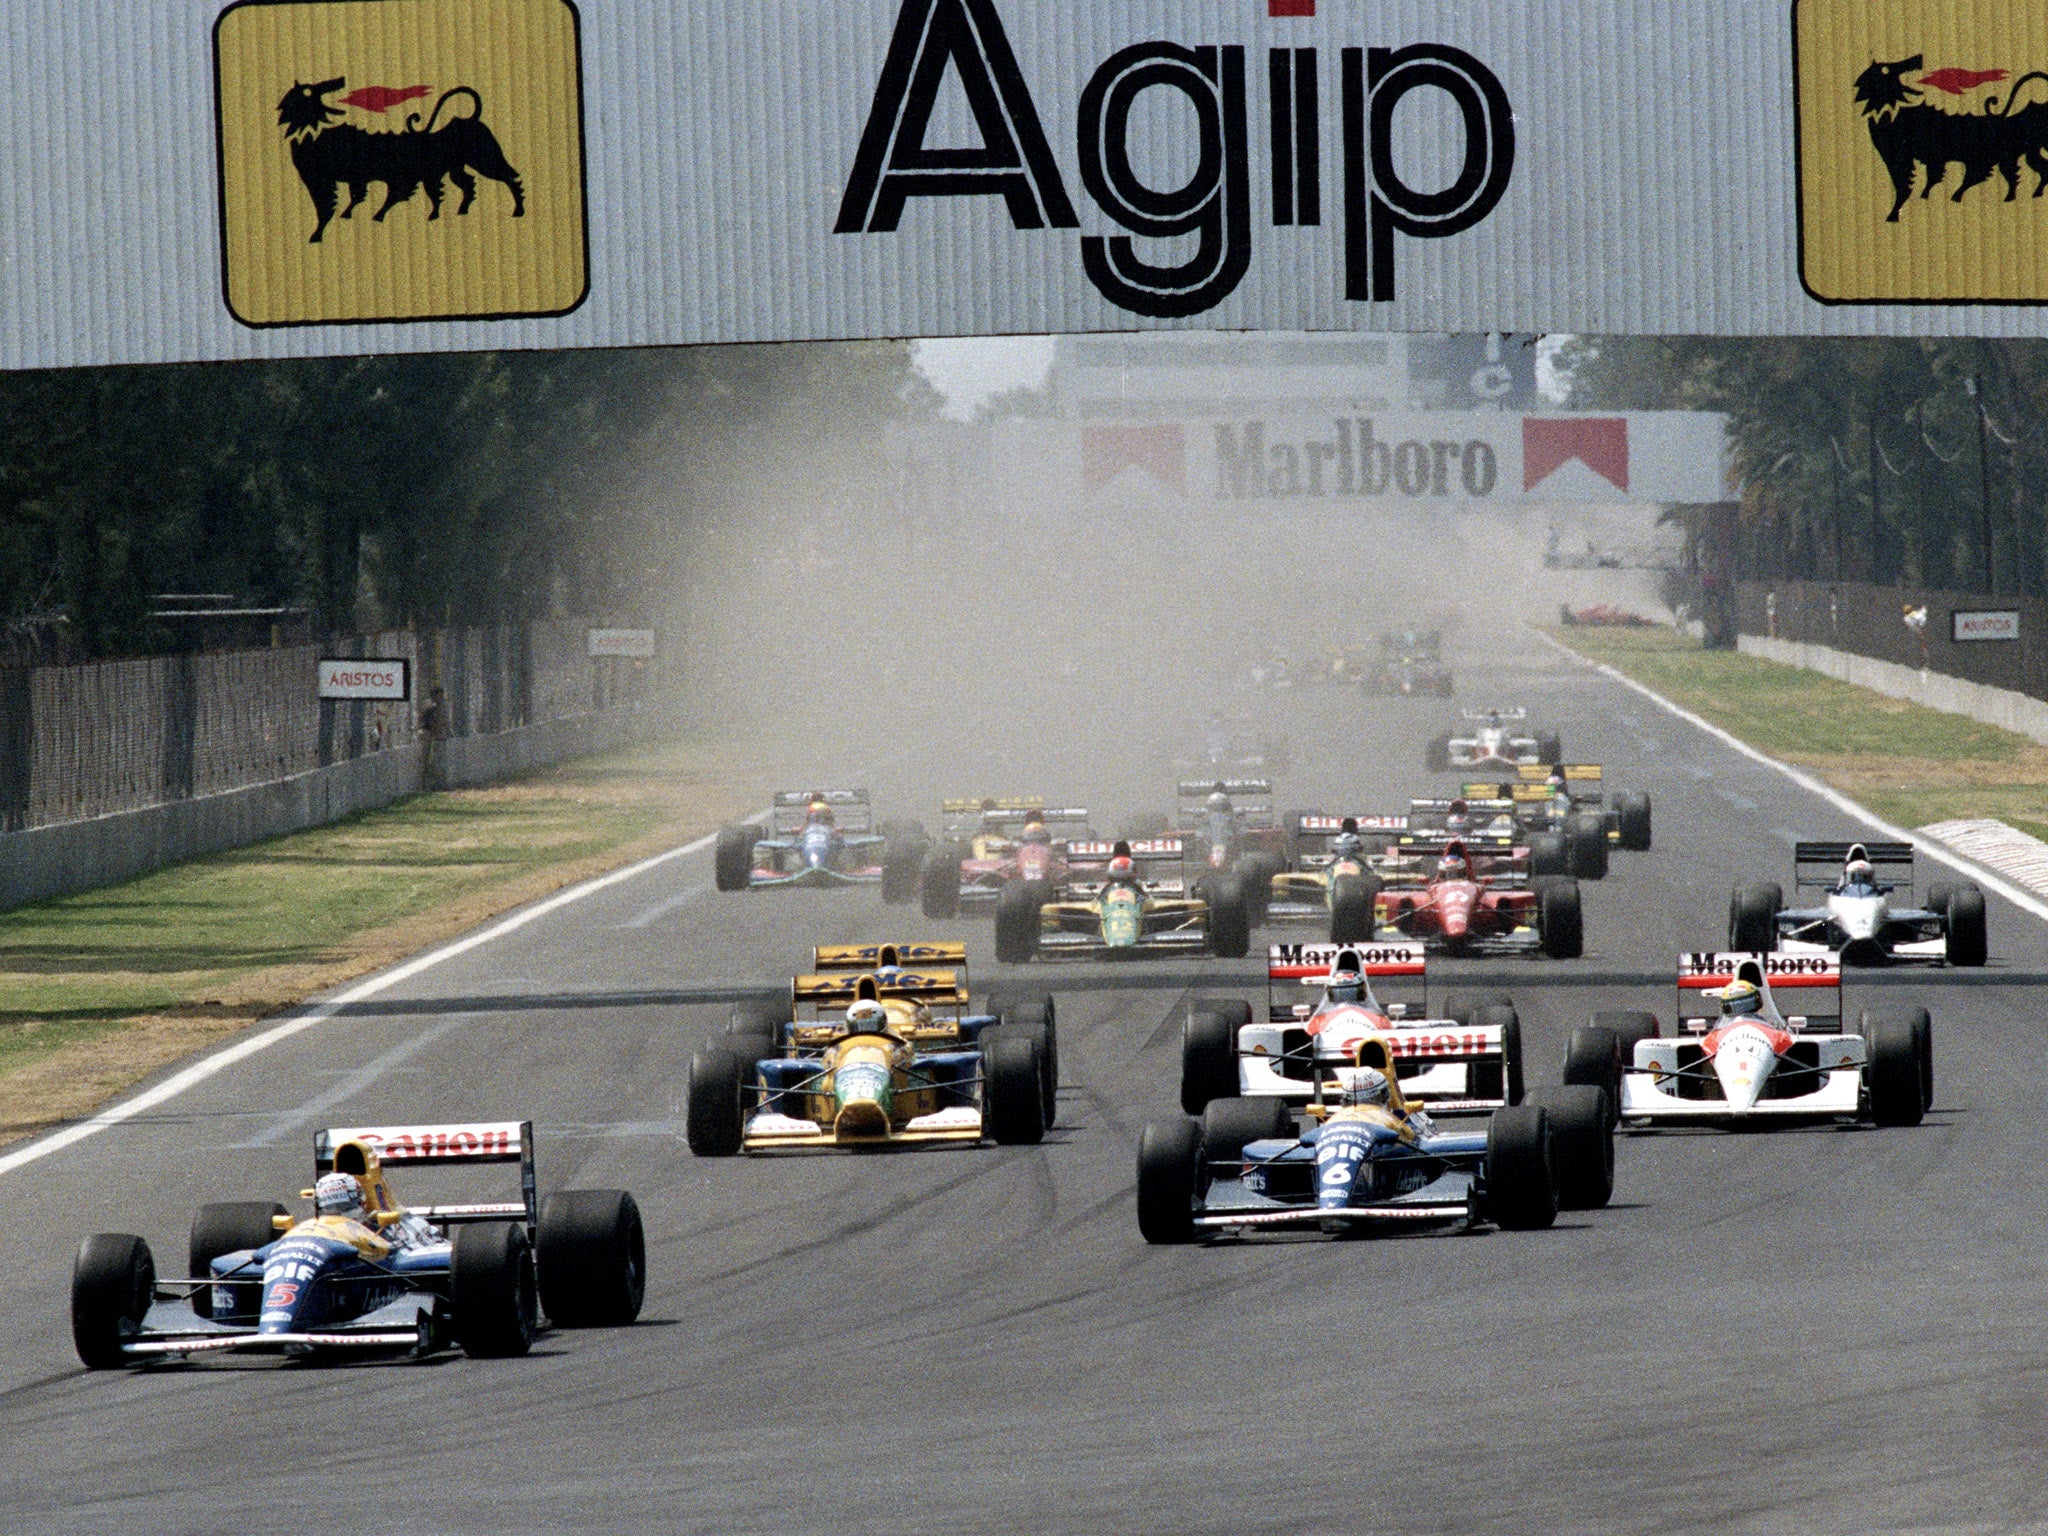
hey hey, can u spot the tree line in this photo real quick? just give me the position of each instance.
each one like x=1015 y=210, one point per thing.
x=449 y=488
x=1893 y=461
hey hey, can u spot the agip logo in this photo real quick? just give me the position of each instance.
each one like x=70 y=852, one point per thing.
x=386 y=160
x=1923 y=151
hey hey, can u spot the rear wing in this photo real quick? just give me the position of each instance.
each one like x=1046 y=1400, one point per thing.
x=1582 y=781
x=911 y=954
x=1797 y=986
x=1481 y=716
x=1142 y=851
x=932 y=987
x=426 y=1146
x=1316 y=824
x=1237 y=789
x=853 y=809
x=1820 y=864
x=1490 y=790
x=1017 y=803
x=1291 y=967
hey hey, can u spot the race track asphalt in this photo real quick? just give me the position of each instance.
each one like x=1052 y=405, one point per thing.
x=1816 y=1330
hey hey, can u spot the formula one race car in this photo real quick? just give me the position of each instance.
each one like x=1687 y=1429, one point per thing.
x=1410 y=662
x=1312 y=1026
x=820 y=838
x=1460 y=912
x=1565 y=798
x=365 y=1275
x=987 y=843
x=875 y=1050
x=1107 y=909
x=1494 y=742
x=1334 y=849
x=1230 y=824
x=1748 y=1060
x=1858 y=917
x=1372 y=1156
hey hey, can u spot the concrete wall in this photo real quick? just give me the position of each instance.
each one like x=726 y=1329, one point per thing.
x=1952 y=695
x=84 y=855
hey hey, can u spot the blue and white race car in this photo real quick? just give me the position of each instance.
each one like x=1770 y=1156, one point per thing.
x=365 y=1275
x=821 y=837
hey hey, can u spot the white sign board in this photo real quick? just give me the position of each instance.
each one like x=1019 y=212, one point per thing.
x=765 y=170
x=1995 y=624
x=365 y=677
x=638 y=644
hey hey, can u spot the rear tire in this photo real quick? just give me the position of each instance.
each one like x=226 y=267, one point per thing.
x=732 y=866
x=1169 y=1170
x=1592 y=1058
x=591 y=1252
x=1503 y=1015
x=1549 y=750
x=1353 y=900
x=716 y=1115
x=1897 y=1096
x=1437 y=758
x=1012 y=1091
x=1036 y=1012
x=1564 y=928
x=1633 y=808
x=1017 y=922
x=491 y=1284
x=1228 y=1124
x=1587 y=837
x=1229 y=922
x=1521 y=1186
x=1753 y=917
x=1582 y=1137
x=229 y=1226
x=1967 y=942
x=1549 y=854
x=902 y=869
x=939 y=889
x=113 y=1282
x=1208 y=1053
x=1630 y=1027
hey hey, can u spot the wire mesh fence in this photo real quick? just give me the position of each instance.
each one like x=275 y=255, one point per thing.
x=92 y=740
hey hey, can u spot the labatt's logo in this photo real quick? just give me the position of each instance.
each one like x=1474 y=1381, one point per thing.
x=1214 y=207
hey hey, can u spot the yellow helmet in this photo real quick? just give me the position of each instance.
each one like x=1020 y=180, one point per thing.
x=1740 y=997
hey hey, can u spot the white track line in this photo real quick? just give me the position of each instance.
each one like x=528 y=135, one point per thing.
x=241 y=1050
x=2025 y=900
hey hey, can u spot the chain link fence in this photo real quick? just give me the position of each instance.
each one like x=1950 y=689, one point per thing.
x=78 y=742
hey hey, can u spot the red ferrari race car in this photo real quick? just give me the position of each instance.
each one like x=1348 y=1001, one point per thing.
x=988 y=842
x=1459 y=912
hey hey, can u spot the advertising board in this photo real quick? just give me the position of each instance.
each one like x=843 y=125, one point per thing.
x=1986 y=624
x=365 y=677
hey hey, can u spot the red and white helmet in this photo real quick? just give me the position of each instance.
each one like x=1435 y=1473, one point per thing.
x=1122 y=868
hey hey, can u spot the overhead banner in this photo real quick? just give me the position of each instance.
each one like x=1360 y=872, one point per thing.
x=190 y=181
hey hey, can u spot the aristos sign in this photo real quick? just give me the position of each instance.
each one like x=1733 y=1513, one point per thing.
x=647 y=173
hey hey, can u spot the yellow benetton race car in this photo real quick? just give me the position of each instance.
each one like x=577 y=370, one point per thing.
x=1108 y=908
x=876 y=1049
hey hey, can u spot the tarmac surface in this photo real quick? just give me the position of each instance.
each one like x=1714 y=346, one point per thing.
x=1812 y=1330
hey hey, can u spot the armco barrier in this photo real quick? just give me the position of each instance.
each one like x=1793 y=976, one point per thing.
x=1953 y=695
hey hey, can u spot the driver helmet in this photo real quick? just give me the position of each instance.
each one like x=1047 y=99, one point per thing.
x=1453 y=866
x=1347 y=845
x=1218 y=803
x=1346 y=987
x=1456 y=817
x=339 y=1194
x=1739 y=998
x=820 y=813
x=1859 y=873
x=1121 y=868
x=867 y=1017
x=1367 y=1085
x=1034 y=832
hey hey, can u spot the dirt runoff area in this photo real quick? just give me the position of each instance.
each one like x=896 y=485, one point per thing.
x=102 y=990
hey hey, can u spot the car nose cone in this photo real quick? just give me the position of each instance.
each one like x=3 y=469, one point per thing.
x=1743 y=1065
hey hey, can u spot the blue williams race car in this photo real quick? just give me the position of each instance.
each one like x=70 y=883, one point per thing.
x=365 y=1274
x=824 y=837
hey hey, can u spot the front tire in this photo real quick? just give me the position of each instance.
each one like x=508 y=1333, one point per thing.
x=1353 y=900
x=716 y=1120
x=1229 y=1124
x=1897 y=1096
x=1966 y=941
x=591 y=1253
x=1582 y=1132
x=732 y=865
x=902 y=869
x=113 y=1282
x=1017 y=922
x=1564 y=929
x=1169 y=1173
x=491 y=1284
x=1012 y=1092
x=939 y=889
x=1633 y=808
x=1592 y=1058
x=1753 y=918
x=1208 y=1053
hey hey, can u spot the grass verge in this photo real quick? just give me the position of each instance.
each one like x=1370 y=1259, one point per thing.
x=100 y=990
x=1910 y=764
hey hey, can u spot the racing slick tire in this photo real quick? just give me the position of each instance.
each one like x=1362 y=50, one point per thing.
x=1549 y=854
x=1502 y=1014
x=1036 y=1012
x=1897 y=1092
x=1965 y=942
x=732 y=866
x=1582 y=1140
x=1048 y=1085
x=1753 y=917
x=1586 y=837
x=716 y=1117
x=492 y=1287
x=1463 y=1009
x=939 y=888
x=1012 y=1090
x=903 y=861
x=1227 y=1124
x=1593 y=1059
x=1549 y=750
x=1437 y=757
x=113 y=1282
x=1630 y=1026
x=1938 y=895
x=1632 y=807
x=1921 y=1027
x=1257 y=871
x=1208 y=1052
x=229 y=1226
x=1521 y=1181
x=1353 y=900
x=1169 y=1173
x=1229 y=920
x=1563 y=922
x=1017 y=908
x=591 y=1251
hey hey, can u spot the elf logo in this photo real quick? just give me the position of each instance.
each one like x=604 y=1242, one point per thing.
x=1214 y=206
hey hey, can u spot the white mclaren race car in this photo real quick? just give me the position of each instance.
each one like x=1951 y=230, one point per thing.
x=1863 y=917
x=1321 y=1002
x=1496 y=738
x=1759 y=1038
